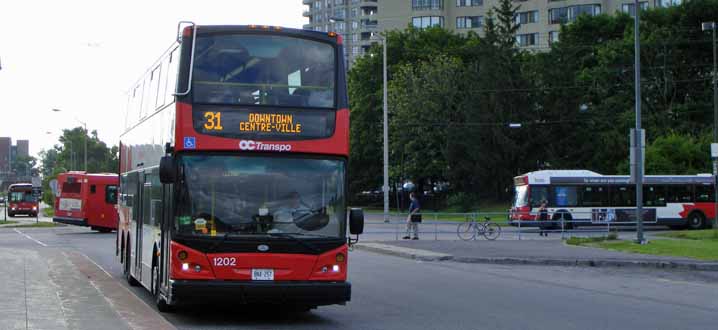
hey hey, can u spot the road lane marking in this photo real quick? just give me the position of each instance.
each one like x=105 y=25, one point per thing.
x=98 y=266
x=30 y=237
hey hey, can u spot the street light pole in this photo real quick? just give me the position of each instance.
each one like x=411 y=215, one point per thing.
x=386 y=132
x=638 y=136
x=714 y=77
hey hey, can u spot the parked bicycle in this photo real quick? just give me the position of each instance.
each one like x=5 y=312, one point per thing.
x=472 y=228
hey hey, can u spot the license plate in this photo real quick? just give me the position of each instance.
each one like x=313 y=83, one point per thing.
x=262 y=274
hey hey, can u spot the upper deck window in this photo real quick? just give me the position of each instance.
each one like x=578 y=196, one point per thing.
x=264 y=70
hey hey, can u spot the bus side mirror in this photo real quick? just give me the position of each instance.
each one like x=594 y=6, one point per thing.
x=356 y=221
x=168 y=170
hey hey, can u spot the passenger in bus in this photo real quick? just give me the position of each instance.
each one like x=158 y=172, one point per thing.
x=543 y=219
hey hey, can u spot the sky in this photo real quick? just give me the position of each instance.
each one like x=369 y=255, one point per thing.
x=82 y=57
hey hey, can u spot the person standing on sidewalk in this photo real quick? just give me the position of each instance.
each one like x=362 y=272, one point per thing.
x=414 y=217
x=543 y=218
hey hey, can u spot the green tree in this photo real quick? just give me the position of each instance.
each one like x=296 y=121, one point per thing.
x=23 y=165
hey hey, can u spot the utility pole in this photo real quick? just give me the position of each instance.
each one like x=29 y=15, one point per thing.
x=714 y=145
x=639 y=133
x=386 y=137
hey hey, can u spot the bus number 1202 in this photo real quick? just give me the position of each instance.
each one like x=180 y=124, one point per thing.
x=224 y=261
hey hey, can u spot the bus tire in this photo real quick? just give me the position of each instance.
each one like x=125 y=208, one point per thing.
x=128 y=275
x=160 y=301
x=696 y=220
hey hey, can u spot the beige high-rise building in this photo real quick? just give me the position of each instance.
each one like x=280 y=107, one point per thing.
x=355 y=20
x=540 y=20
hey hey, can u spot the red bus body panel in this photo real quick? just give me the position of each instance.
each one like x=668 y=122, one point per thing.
x=287 y=267
x=94 y=210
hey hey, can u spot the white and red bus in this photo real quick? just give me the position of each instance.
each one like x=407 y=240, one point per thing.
x=582 y=197
x=20 y=200
x=233 y=171
x=87 y=199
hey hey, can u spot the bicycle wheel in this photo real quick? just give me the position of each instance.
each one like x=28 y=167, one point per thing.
x=491 y=231
x=466 y=231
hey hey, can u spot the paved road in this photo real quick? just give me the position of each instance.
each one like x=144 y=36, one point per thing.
x=395 y=293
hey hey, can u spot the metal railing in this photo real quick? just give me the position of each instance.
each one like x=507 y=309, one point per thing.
x=443 y=226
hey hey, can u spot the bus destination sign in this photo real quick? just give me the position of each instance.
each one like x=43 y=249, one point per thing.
x=243 y=123
x=270 y=122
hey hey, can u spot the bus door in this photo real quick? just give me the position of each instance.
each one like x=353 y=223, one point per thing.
x=151 y=211
x=137 y=220
x=165 y=226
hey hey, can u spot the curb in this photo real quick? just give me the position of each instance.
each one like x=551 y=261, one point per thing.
x=407 y=253
x=425 y=255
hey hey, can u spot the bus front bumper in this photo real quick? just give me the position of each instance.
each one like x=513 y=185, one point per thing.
x=312 y=293
x=70 y=221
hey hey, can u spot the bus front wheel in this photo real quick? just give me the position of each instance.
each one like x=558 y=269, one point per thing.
x=696 y=221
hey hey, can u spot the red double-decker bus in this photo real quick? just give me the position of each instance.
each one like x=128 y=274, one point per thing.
x=87 y=199
x=21 y=200
x=233 y=170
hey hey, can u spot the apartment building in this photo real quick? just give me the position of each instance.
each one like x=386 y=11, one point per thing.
x=539 y=20
x=355 y=20
x=5 y=154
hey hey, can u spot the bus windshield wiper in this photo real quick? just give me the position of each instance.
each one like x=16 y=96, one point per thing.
x=231 y=230
x=300 y=241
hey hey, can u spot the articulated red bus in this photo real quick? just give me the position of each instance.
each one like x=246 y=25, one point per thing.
x=87 y=199
x=21 y=200
x=582 y=197
x=233 y=170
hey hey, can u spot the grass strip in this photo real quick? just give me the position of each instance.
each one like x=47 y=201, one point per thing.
x=691 y=248
x=7 y=222
x=704 y=234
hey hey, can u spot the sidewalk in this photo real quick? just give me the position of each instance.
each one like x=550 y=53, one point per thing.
x=52 y=289
x=528 y=252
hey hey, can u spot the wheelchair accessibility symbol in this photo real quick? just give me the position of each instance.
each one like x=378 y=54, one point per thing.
x=189 y=142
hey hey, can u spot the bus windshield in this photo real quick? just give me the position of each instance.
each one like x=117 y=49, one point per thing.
x=263 y=70
x=521 y=196
x=21 y=196
x=244 y=195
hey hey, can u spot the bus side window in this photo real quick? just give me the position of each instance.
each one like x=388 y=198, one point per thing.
x=654 y=196
x=93 y=189
x=111 y=194
x=679 y=194
x=623 y=196
x=594 y=196
x=538 y=194
x=565 y=196
x=704 y=194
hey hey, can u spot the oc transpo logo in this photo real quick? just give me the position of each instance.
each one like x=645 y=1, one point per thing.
x=261 y=146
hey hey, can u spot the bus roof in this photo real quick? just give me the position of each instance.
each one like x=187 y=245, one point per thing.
x=20 y=185
x=589 y=177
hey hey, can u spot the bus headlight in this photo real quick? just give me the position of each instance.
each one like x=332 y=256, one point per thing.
x=335 y=268
x=185 y=266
